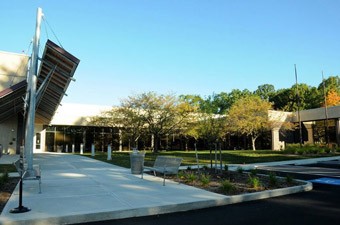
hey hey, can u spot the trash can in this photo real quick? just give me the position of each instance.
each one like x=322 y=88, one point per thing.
x=137 y=161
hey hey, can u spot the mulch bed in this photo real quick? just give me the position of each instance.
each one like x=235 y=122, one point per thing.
x=6 y=191
x=239 y=182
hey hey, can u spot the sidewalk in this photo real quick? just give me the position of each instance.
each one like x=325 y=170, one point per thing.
x=78 y=189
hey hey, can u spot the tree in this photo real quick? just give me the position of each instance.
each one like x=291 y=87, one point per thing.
x=127 y=118
x=193 y=100
x=249 y=116
x=147 y=113
x=210 y=127
x=313 y=98
x=332 y=98
x=220 y=103
x=161 y=114
x=299 y=96
x=281 y=98
x=332 y=82
x=265 y=91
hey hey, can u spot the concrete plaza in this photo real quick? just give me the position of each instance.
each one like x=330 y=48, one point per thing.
x=77 y=189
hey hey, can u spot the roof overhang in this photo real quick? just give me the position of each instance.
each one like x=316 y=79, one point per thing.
x=12 y=100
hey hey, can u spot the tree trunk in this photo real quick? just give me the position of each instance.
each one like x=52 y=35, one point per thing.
x=253 y=139
x=155 y=143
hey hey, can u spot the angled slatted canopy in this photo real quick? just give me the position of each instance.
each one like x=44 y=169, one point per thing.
x=56 y=70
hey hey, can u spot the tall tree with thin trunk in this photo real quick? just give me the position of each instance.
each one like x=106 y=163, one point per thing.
x=249 y=116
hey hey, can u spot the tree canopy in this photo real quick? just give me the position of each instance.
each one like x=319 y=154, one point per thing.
x=285 y=99
x=249 y=116
x=239 y=112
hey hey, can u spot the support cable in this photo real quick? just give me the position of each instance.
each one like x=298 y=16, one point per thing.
x=44 y=19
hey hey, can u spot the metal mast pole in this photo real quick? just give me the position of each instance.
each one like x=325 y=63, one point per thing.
x=298 y=105
x=32 y=83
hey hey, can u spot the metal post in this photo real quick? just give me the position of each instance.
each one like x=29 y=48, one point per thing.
x=93 y=153
x=326 y=111
x=120 y=140
x=109 y=152
x=20 y=208
x=73 y=147
x=32 y=83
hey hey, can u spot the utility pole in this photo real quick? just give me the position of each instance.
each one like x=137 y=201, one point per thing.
x=326 y=110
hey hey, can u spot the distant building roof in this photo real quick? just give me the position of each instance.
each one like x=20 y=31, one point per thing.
x=77 y=114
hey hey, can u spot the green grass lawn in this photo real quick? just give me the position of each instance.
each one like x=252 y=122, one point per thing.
x=228 y=157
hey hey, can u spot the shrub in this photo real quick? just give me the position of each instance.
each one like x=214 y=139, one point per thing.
x=4 y=177
x=226 y=168
x=308 y=149
x=254 y=182
x=190 y=177
x=240 y=169
x=227 y=187
x=205 y=167
x=273 y=181
x=289 y=179
x=205 y=179
x=181 y=174
x=337 y=149
x=291 y=148
x=254 y=172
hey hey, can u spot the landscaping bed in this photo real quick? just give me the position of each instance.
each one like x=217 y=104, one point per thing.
x=6 y=190
x=233 y=182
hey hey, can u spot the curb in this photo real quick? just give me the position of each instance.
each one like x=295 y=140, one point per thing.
x=165 y=209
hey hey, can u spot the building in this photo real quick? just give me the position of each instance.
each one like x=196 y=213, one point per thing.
x=65 y=128
x=56 y=70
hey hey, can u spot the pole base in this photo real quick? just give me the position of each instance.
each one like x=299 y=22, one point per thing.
x=20 y=209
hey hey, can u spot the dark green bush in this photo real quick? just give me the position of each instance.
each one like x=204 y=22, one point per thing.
x=254 y=172
x=289 y=179
x=227 y=187
x=308 y=149
x=240 y=169
x=273 y=181
x=226 y=168
x=4 y=177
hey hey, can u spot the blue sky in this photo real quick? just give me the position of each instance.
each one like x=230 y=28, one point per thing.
x=200 y=47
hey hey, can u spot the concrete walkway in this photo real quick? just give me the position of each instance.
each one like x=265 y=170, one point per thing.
x=78 y=189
